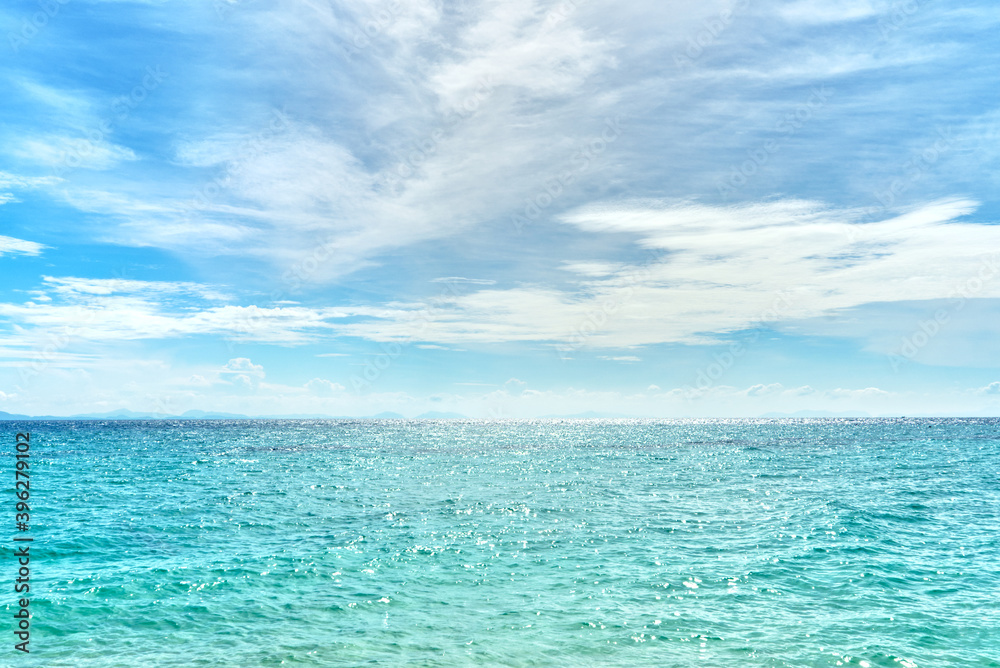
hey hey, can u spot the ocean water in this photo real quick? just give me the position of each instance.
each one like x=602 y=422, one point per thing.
x=511 y=543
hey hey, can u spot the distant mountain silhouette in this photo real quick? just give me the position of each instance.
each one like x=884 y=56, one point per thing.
x=14 y=416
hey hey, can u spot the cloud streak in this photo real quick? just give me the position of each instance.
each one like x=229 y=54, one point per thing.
x=12 y=246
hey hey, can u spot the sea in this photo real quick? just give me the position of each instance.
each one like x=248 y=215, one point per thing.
x=716 y=543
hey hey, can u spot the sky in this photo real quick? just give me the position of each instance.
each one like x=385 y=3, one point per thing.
x=501 y=209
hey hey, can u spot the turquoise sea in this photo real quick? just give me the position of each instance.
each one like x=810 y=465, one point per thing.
x=510 y=543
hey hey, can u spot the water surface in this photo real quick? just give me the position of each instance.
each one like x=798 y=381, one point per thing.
x=529 y=543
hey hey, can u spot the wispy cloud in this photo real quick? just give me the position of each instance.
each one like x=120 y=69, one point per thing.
x=62 y=152
x=12 y=182
x=12 y=246
x=104 y=310
x=460 y=280
x=724 y=268
x=71 y=286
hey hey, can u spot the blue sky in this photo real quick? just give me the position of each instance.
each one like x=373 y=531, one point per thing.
x=502 y=209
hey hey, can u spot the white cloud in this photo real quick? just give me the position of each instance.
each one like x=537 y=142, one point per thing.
x=460 y=280
x=719 y=269
x=242 y=365
x=67 y=103
x=105 y=310
x=992 y=388
x=595 y=269
x=10 y=181
x=760 y=389
x=515 y=386
x=324 y=388
x=72 y=286
x=65 y=152
x=243 y=381
x=714 y=270
x=407 y=166
x=126 y=318
x=12 y=246
x=514 y=48
x=867 y=393
x=15 y=181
